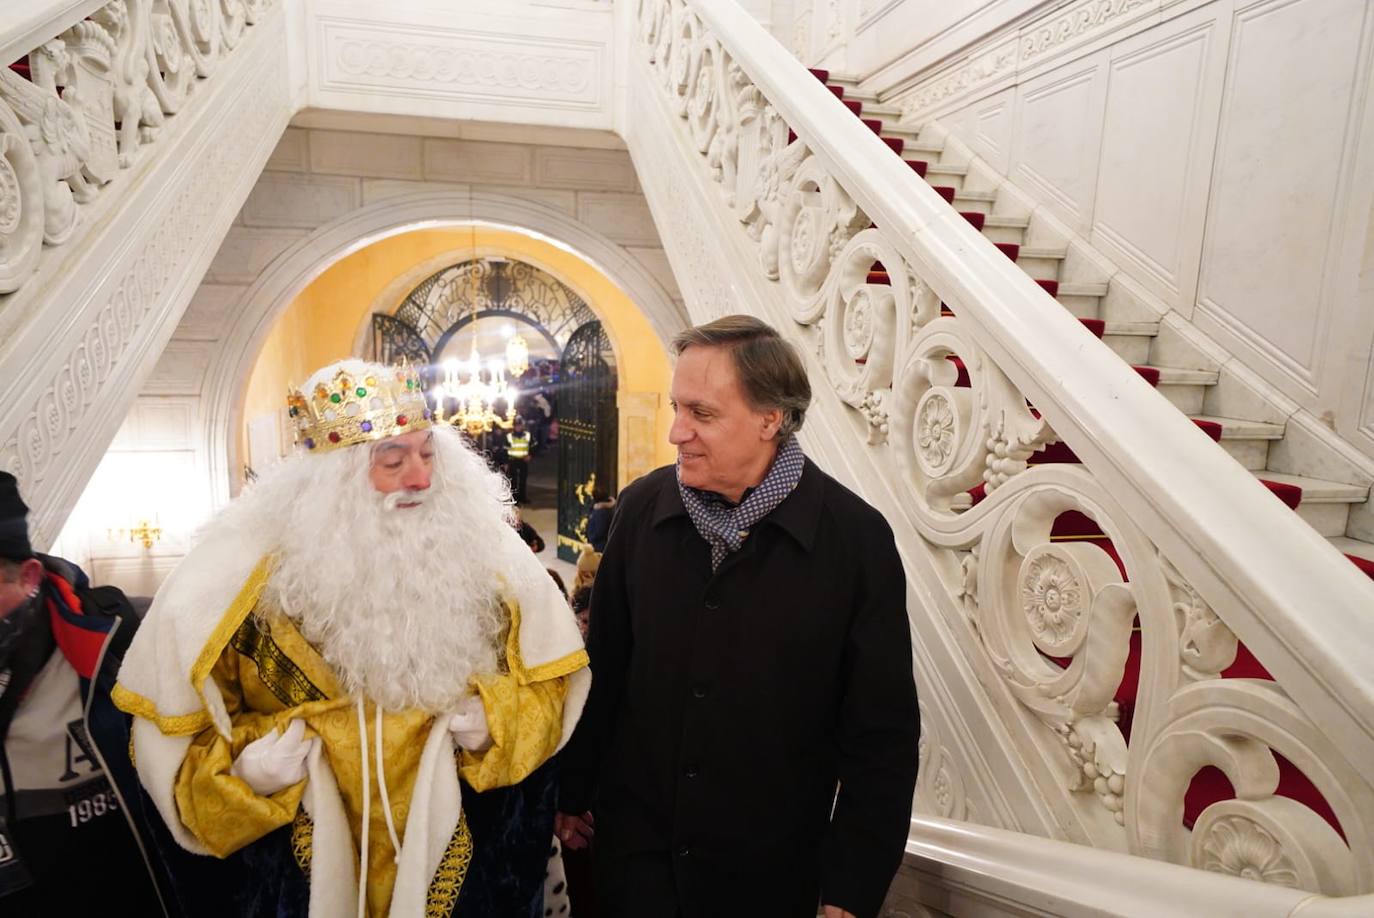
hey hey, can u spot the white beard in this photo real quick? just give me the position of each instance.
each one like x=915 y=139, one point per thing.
x=402 y=602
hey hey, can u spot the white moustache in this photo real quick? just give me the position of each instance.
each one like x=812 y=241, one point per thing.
x=394 y=500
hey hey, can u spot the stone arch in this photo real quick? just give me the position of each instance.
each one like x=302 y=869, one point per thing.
x=293 y=270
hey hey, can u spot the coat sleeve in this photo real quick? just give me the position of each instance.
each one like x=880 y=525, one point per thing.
x=878 y=733
x=220 y=810
x=609 y=643
x=526 y=723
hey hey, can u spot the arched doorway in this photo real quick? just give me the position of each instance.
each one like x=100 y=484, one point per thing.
x=573 y=391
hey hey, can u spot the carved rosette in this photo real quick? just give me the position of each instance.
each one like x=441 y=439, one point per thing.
x=938 y=429
x=1241 y=726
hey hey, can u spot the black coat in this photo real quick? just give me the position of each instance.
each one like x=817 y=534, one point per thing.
x=725 y=708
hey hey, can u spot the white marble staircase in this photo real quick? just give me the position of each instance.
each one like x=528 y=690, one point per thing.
x=1090 y=287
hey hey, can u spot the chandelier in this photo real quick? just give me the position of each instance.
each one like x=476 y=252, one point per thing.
x=477 y=392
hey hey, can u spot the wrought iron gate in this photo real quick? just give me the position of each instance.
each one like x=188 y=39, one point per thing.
x=587 y=432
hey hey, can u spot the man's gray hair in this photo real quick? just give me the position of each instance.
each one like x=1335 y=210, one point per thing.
x=770 y=370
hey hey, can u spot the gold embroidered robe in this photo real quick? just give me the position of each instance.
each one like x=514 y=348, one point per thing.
x=269 y=674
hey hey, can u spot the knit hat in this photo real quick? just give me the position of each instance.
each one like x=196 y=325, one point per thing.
x=14 y=528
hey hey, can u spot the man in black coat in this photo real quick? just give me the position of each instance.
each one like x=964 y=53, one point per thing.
x=750 y=743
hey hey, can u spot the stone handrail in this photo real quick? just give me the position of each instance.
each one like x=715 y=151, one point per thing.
x=25 y=26
x=1208 y=560
x=991 y=867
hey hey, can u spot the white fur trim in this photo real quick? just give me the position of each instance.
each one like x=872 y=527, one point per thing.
x=185 y=613
x=433 y=818
x=333 y=875
x=159 y=759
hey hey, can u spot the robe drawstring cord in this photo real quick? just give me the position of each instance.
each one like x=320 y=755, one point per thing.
x=367 y=799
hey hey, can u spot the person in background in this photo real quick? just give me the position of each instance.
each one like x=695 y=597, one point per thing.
x=587 y=563
x=582 y=608
x=749 y=746
x=562 y=587
x=529 y=535
x=599 y=521
x=68 y=842
x=518 y=459
x=542 y=412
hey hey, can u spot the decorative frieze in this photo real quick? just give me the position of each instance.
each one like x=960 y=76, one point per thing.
x=402 y=59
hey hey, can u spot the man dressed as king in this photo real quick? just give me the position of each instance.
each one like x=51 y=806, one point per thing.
x=352 y=684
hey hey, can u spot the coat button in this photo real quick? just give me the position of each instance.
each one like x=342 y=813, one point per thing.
x=684 y=850
x=712 y=605
x=699 y=691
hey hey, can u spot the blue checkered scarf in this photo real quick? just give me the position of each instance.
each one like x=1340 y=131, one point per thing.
x=724 y=525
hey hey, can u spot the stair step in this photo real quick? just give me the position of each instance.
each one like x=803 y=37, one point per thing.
x=854 y=105
x=937 y=169
x=1325 y=505
x=1040 y=252
x=925 y=149
x=998 y=228
x=919 y=166
x=1320 y=490
x=1243 y=428
x=888 y=112
x=894 y=129
x=1082 y=290
x=1040 y=263
x=986 y=197
x=1178 y=376
x=1353 y=547
x=1143 y=329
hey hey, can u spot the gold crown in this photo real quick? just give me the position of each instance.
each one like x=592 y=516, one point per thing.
x=359 y=408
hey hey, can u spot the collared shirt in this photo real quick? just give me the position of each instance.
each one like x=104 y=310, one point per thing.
x=725 y=525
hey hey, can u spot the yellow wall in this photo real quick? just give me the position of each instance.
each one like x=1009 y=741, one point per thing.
x=321 y=325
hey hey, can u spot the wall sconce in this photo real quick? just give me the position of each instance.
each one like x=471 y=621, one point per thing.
x=145 y=532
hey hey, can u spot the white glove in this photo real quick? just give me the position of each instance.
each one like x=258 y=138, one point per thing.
x=469 y=725
x=274 y=762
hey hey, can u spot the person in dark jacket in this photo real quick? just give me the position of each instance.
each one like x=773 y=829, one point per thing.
x=749 y=747
x=68 y=844
x=599 y=520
